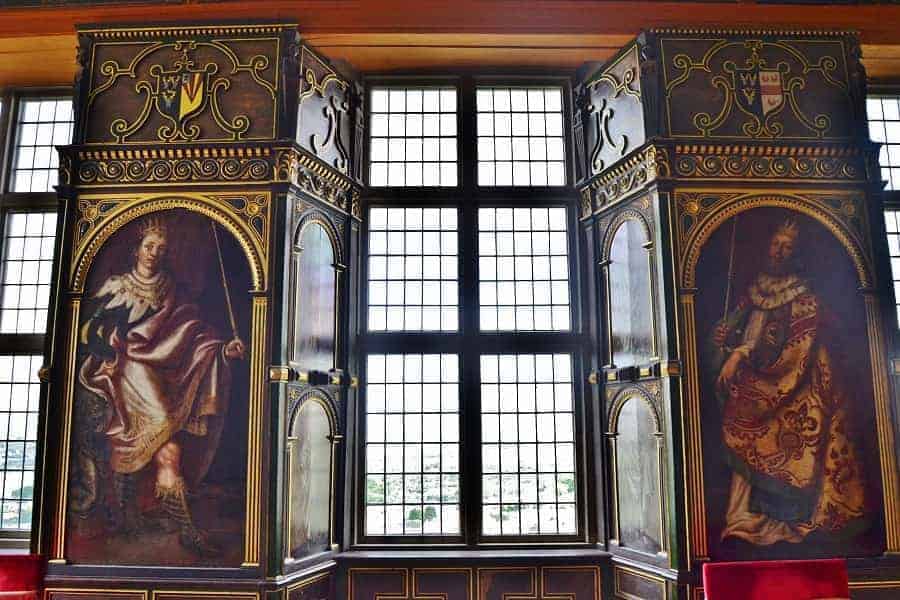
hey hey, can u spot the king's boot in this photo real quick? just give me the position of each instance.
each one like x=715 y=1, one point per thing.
x=174 y=503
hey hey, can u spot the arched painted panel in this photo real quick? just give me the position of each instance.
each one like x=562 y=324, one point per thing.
x=315 y=302
x=310 y=493
x=637 y=478
x=630 y=302
x=789 y=432
x=160 y=410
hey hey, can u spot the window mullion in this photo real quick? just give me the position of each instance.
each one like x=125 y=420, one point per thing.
x=470 y=438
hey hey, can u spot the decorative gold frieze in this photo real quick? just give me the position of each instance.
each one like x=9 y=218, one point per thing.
x=627 y=176
x=174 y=165
x=321 y=181
x=740 y=161
x=690 y=31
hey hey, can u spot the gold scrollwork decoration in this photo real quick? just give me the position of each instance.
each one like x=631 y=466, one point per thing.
x=736 y=96
x=183 y=92
x=333 y=109
x=618 y=77
x=118 y=171
x=732 y=163
x=619 y=87
x=602 y=117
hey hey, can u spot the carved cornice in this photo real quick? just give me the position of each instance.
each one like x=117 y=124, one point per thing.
x=216 y=164
x=738 y=161
x=143 y=33
x=627 y=176
x=693 y=31
x=323 y=182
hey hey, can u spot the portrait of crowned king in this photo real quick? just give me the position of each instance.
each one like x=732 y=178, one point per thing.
x=795 y=466
x=156 y=375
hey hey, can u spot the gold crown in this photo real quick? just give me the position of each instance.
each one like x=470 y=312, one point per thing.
x=153 y=225
x=788 y=229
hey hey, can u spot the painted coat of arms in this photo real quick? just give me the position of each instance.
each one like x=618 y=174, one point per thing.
x=759 y=91
x=180 y=94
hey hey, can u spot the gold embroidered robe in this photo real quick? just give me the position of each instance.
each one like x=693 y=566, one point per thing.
x=161 y=370
x=784 y=419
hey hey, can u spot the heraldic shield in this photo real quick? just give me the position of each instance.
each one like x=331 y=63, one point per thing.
x=758 y=91
x=181 y=92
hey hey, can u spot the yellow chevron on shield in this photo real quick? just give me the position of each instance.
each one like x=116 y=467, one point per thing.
x=192 y=92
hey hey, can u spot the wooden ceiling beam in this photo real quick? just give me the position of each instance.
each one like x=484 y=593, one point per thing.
x=877 y=23
x=37 y=45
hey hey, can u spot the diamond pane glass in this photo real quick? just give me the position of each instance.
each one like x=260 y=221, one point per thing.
x=412 y=133
x=42 y=124
x=412 y=445
x=528 y=445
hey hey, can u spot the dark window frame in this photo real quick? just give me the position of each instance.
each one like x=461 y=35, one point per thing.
x=30 y=344
x=890 y=202
x=468 y=342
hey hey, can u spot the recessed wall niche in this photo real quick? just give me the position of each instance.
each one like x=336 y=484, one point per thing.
x=315 y=299
x=637 y=441
x=630 y=303
x=310 y=481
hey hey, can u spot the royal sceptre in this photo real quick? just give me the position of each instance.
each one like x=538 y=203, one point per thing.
x=234 y=329
x=730 y=269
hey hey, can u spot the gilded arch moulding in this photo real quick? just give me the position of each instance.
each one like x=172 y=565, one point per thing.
x=298 y=398
x=103 y=215
x=638 y=211
x=315 y=216
x=621 y=395
x=699 y=214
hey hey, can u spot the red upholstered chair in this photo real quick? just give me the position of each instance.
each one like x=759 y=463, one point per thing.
x=776 y=580
x=21 y=576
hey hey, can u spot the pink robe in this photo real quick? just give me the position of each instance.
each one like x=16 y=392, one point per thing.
x=169 y=377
